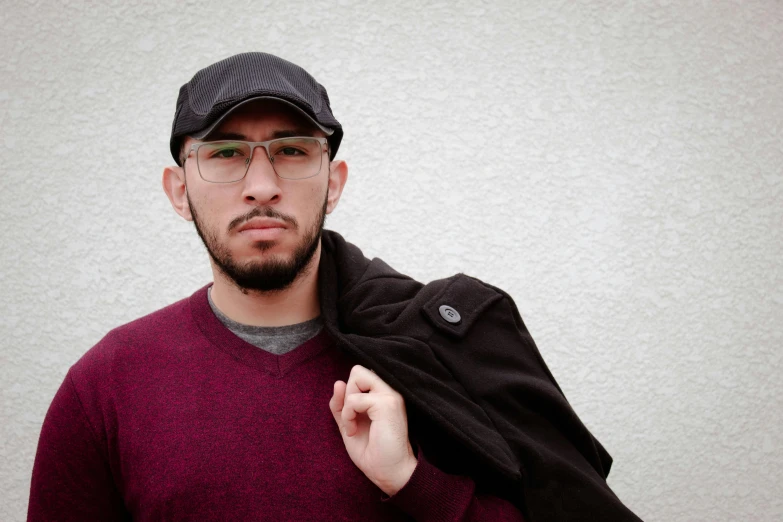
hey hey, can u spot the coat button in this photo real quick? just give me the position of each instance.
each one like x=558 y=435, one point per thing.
x=449 y=314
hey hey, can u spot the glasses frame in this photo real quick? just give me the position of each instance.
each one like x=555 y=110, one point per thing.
x=253 y=145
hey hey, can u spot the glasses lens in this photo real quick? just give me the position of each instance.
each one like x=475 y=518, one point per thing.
x=223 y=161
x=296 y=158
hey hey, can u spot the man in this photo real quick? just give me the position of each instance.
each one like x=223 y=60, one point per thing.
x=306 y=382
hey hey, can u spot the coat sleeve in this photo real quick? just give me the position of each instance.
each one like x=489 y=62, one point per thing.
x=491 y=353
x=71 y=477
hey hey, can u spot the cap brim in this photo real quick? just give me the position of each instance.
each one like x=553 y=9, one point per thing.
x=206 y=132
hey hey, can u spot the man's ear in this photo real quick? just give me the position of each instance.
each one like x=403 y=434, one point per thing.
x=338 y=176
x=175 y=188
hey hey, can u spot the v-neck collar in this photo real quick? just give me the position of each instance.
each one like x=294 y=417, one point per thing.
x=223 y=339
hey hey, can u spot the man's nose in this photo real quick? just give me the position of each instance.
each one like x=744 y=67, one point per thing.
x=261 y=184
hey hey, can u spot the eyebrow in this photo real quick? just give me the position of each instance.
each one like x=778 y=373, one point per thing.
x=287 y=133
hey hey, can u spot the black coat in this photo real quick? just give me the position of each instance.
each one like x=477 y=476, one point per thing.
x=480 y=399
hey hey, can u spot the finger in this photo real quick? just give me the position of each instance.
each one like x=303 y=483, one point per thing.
x=353 y=405
x=363 y=380
x=337 y=401
x=356 y=404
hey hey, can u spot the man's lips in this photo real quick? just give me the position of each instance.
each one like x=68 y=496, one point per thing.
x=261 y=224
x=262 y=229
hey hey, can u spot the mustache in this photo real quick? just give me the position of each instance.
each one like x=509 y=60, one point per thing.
x=263 y=212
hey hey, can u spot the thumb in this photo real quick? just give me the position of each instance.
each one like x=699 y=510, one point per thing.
x=337 y=402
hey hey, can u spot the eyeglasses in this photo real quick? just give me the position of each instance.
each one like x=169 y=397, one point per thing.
x=229 y=161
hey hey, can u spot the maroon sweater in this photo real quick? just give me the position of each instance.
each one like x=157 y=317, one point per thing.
x=173 y=417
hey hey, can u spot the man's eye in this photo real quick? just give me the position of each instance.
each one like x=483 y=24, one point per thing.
x=226 y=153
x=290 y=151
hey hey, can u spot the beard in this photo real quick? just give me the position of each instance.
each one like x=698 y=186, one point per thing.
x=270 y=275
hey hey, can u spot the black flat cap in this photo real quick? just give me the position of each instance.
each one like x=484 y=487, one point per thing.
x=218 y=89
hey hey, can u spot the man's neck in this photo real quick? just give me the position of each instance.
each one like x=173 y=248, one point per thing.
x=296 y=304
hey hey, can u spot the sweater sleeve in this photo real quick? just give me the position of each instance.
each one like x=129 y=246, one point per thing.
x=71 y=477
x=434 y=496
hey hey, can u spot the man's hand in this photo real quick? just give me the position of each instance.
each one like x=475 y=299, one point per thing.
x=374 y=425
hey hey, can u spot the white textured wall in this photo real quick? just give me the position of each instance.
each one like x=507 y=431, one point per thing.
x=616 y=166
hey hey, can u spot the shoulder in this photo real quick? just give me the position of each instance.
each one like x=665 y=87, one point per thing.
x=372 y=298
x=452 y=305
x=456 y=303
x=373 y=282
x=139 y=339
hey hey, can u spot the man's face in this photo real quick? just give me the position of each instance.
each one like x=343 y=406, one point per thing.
x=261 y=231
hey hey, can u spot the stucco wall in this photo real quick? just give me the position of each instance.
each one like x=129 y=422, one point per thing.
x=615 y=166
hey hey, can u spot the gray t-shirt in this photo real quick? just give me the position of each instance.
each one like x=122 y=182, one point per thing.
x=274 y=339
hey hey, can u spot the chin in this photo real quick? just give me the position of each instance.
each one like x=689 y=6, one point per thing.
x=266 y=246
x=251 y=249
